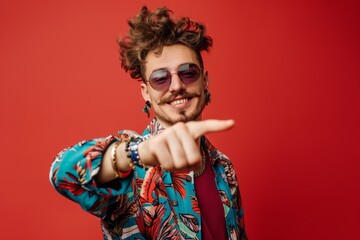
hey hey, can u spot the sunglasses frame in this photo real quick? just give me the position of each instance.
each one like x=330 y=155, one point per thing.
x=168 y=76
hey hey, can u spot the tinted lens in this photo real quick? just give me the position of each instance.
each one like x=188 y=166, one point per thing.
x=160 y=79
x=189 y=73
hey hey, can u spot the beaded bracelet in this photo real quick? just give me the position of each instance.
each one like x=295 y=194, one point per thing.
x=118 y=173
x=133 y=154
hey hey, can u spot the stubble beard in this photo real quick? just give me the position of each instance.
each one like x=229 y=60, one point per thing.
x=184 y=116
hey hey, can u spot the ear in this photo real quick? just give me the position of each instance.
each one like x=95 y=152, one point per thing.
x=206 y=80
x=145 y=92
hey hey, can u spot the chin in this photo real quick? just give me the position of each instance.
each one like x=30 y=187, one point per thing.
x=180 y=117
x=185 y=115
x=184 y=119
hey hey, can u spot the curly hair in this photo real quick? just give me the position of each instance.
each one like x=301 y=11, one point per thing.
x=151 y=31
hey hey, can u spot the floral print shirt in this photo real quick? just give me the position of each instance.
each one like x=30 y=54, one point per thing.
x=148 y=203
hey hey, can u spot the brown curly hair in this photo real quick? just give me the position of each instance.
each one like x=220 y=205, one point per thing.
x=152 y=31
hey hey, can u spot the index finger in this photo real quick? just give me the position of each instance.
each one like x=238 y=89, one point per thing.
x=199 y=128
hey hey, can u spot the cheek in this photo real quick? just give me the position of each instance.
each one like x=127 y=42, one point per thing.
x=198 y=88
x=155 y=98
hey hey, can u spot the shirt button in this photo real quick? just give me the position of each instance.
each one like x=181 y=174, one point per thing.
x=155 y=202
x=174 y=202
x=188 y=178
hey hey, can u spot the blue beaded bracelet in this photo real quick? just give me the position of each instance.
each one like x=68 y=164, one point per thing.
x=133 y=154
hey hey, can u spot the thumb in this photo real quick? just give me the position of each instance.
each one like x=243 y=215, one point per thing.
x=199 y=128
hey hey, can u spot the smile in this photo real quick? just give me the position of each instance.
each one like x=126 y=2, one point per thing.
x=178 y=101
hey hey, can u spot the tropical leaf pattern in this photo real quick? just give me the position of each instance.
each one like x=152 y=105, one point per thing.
x=179 y=179
x=148 y=203
x=190 y=221
x=195 y=204
x=152 y=187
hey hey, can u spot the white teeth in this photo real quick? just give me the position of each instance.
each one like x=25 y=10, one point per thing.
x=180 y=101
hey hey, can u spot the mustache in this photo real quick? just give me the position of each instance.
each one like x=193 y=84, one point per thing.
x=173 y=96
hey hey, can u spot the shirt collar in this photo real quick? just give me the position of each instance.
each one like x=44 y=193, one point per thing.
x=154 y=127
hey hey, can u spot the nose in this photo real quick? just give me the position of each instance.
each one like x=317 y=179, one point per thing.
x=176 y=83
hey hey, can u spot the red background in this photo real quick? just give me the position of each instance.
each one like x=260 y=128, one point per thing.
x=286 y=71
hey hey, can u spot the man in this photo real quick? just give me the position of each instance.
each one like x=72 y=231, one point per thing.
x=169 y=183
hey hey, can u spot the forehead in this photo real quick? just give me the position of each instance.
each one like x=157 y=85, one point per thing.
x=170 y=57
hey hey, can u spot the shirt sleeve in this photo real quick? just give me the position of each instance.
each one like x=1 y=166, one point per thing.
x=72 y=174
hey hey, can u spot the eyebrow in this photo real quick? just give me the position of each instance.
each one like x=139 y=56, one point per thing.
x=165 y=68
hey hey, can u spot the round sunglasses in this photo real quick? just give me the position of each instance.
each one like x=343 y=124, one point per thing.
x=188 y=73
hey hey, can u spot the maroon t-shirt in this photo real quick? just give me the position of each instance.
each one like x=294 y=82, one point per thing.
x=211 y=208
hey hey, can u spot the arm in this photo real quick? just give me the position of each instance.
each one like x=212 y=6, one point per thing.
x=175 y=148
x=74 y=171
x=107 y=172
x=77 y=172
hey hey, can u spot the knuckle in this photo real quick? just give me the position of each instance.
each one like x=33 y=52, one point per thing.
x=180 y=125
x=180 y=164
x=167 y=165
x=194 y=159
x=170 y=132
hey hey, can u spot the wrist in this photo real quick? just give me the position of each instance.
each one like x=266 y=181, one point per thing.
x=142 y=151
x=120 y=167
x=132 y=148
